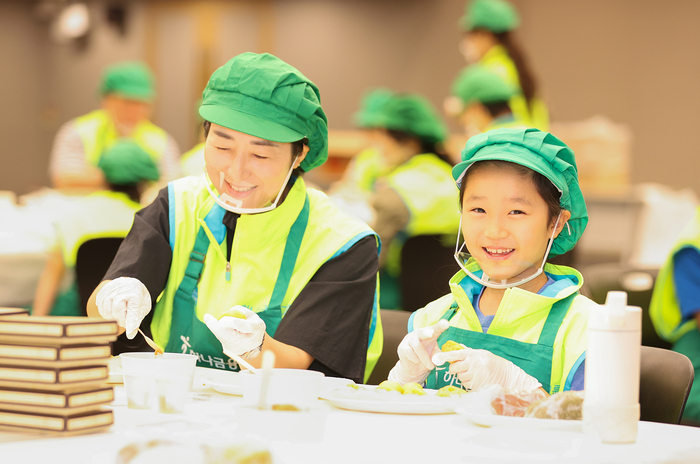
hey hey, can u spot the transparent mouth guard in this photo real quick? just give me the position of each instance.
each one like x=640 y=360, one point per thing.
x=469 y=264
x=235 y=205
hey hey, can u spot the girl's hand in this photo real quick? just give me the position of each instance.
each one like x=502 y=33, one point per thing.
x=478 y=369
x=415 y=351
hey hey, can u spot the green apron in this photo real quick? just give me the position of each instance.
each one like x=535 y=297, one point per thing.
x=190 y=335
x=534 y=359
x=689 y=345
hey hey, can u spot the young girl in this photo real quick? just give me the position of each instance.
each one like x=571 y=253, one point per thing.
x=522 y=320
x=488 y=27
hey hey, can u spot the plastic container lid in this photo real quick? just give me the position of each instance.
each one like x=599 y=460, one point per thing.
x=615 y=315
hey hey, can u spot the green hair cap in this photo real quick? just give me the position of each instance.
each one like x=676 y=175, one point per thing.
x=126 y=162
x=371 y=106
x=493 y=15
x=476 y=83
x=543 y=153
x=131 y=80
x=262 y=96
x=414 y=115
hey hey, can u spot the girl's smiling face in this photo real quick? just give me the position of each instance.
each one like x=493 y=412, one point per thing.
x=506 y=222
x=254 y=169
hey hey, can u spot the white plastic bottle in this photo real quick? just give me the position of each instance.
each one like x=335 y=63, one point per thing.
x=611 y=405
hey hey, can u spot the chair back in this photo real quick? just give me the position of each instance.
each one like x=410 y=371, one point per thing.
x=93 y=260
x=91 y=264
x=395 y=327
x=427 y=264
x=665 y=381
x=637 y=282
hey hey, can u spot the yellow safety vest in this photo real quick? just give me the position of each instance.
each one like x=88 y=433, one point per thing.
x=257 y=252
x=101 y=214
x=426 y=186
x=98 y=133
x=664 y=308
x=521 y=316
x=534 y=115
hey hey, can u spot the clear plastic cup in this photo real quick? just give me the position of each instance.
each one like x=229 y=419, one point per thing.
x=165 y=379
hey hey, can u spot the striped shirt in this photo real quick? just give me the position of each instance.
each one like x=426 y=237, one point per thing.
x=68 y=155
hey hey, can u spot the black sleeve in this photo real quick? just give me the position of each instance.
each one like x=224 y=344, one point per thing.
x=330 y=318
x=145 y=253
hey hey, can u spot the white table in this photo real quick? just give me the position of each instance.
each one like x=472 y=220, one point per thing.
x=331 y=435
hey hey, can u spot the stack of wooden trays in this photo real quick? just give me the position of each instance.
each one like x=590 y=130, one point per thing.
x=53 y=373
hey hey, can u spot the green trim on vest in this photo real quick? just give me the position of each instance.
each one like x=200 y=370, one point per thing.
x=257 y=253
x=664 y=308
x=521 y=316
x=98 y=133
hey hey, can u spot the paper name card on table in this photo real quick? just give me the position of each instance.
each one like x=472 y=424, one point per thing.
x=57 y=355
x=55 y=402
x=67 y=329
x=76 y=423
x=13 y=312
x=26 y=377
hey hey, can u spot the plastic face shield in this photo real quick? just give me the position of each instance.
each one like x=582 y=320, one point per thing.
x=235 y=205
x=531 y=270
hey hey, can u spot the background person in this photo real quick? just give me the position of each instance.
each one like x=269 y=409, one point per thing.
x=488 y=27
x=127 y=91
x=415 y=194
x=523 y=321
x=109 y=213
x=675 y=306
x=481 y=101
x=251 y=238
x=353 y=191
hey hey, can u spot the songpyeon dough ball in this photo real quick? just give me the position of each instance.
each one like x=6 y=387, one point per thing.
x=413 y=388
x=451 y=345
x=566 y=405
x=390 y=385
x=450 y=390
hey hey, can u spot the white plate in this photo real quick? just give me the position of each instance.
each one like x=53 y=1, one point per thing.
x=227 y=382
x=494 y=420
x=393 y=404
x=329 y=384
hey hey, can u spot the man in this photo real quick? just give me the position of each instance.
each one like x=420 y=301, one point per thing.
x=127 y=91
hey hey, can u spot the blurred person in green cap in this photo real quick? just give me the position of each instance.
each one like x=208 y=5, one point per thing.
x=414 y=195
x=127 y=168
x=488 y=27
x=356 y=186
x=480 y=101
x=127 y=92
x=367 y=166
x=245 y=257
x=521 y=204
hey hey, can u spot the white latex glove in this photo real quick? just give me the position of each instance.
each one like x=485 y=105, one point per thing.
x=238 y=335
x=415 y=351
x=125 y=300
x=478 y=369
